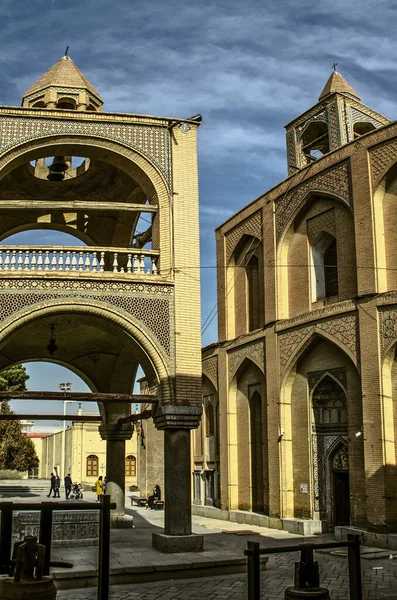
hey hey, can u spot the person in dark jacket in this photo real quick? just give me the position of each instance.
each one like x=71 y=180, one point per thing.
x=156 y=495
x=57 y=486
x=52 y=485
x=68 y=485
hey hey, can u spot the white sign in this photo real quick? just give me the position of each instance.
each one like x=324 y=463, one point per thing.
x=304 y=488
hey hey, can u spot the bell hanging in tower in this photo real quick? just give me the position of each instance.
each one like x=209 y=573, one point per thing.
x=57 y=169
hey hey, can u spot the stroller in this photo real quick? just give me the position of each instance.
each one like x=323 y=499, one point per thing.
x=77 y=491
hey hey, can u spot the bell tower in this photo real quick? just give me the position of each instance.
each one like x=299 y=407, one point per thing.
x=338 y=118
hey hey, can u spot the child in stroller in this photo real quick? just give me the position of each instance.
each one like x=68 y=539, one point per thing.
x=77 y=492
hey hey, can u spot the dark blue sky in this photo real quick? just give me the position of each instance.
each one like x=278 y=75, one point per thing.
x=248 y=67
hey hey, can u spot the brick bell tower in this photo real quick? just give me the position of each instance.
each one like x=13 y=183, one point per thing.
x=126 y=187
x=338 y=118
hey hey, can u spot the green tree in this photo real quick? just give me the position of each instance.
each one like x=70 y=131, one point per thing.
x=16 y=450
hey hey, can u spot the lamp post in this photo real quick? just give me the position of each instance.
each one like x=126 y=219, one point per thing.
x=65 y=387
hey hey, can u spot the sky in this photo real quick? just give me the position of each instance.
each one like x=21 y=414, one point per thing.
x=248 y=67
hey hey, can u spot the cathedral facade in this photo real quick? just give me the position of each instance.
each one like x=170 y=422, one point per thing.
x=300 y=393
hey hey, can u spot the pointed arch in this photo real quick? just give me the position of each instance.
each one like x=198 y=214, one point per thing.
x=304 y=344
x=245 y=356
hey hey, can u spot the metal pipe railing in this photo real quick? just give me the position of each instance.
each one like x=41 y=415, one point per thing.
x=254 y=552
x=45 y=537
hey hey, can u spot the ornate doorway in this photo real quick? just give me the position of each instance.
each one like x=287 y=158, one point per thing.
x=329 y=446
x=340 y=487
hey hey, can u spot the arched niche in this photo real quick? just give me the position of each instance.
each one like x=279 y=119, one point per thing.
x=385 y=228
x=295 y=260
x=245 y=295
x=307 y=437
x=248 y=447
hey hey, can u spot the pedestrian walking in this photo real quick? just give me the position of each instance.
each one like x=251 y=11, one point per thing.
x=57 y=486
x=52 y=485
x=68 y=485
x=98 y=488
x=104 y=485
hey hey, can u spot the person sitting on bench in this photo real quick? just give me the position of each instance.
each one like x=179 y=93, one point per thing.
x=154 y=497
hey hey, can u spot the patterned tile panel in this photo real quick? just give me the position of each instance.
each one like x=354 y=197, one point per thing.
x=152 y=141
x=210 y=369
x=382 y=158
x=335 y=180
x=251 y=226
x=147 y=303
x=343 y=329
x=254 y=351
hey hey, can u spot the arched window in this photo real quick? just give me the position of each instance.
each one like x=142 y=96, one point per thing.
x=39 y=104
x=92 y=466
x=329 y=404
x=314 y=141
x=209 y=420
x=68 y=103
x=362 y=128
x=130 y=466
x=324 y=267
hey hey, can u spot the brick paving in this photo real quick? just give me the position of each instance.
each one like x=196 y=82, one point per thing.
x=378 y=583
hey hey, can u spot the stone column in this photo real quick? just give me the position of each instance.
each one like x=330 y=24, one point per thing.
x=115 y=437
x=177 y=421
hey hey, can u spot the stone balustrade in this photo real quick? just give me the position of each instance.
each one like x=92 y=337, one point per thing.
x=80 y=258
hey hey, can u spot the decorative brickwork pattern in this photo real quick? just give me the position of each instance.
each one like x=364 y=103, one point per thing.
x=334 y=126
x=335 y=181
x=149 y=304
x=210 y=370
x=359 y=117
x=382 y=158
x=343 y=329
x=388 y=327
x=251 y=226
x=254 y=351
x=153 y=142
x=323 y=222
x=322 y=481
x=315 y=376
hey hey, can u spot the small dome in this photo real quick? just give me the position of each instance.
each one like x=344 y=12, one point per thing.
x=63 y=86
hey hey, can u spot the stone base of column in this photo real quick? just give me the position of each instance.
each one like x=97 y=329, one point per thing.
x=177 y=543
x=121 y=521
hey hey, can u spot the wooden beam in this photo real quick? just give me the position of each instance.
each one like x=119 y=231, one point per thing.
x=80 y=397
x=145 y=414
x=75 y=205
x=83 y=418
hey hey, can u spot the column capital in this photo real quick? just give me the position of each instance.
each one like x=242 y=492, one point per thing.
x=171 y=416
x=114 y=432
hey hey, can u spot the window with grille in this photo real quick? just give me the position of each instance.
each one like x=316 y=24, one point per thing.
x=130 y=466
x=329 y=403
x=92 y=465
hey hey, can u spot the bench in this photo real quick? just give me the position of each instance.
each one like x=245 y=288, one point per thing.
x=138 y=501
x=158 y=505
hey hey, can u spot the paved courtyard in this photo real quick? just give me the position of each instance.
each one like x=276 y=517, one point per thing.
x=131 y=549
x=379 y=583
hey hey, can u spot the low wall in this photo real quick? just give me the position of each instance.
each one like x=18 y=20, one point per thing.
x=69 y=528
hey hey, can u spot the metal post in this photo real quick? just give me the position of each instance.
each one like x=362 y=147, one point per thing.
x=254 y=572
x=5 y=537
x=104 y=548
x=353 y=554
x=46 y=532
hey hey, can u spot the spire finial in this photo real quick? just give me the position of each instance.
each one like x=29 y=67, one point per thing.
x=333 y=66
x=67 y=50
